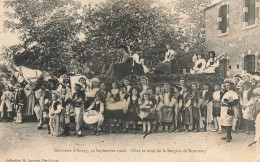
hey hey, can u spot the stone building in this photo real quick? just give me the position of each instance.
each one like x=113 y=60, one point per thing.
x=233 y=26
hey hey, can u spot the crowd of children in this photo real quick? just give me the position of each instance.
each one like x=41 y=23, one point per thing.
x=115 y=107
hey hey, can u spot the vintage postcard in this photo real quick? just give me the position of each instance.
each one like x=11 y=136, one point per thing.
x=129 y=80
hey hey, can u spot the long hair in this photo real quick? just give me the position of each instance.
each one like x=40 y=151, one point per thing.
x=138 y=92
x=214 y=54
x=163 y=88
x=149 y=97
x=117 y=84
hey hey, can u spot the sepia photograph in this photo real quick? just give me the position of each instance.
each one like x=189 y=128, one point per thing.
x=129 y=80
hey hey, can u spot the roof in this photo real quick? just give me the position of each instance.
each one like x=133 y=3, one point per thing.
x=214 y=4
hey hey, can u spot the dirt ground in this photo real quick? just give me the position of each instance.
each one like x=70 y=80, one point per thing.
x=22 y=142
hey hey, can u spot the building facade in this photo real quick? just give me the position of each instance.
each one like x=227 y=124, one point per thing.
x=233 y=27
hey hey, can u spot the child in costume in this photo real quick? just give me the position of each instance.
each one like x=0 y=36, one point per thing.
x=113 y=101
x=98 y=106
x=133 y=107
x=195 y=107
x=159 y=103
x=7 y=99
x=20 y=103
x=167 y=108
x=177 y=102
x=146 y=110
x=186 y=108
x=216 y=104
x=54 y=114
x=204 y=98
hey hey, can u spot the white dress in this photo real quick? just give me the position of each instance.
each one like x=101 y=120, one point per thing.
x=248 y=113
x=199 y=67
x=169 y=55
x=211 y=68
x=226 y=120
x=257 y=128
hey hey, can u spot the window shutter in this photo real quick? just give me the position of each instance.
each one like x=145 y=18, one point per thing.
x=219 y=19
x=245 y=9
x=249 y=63
x=257 y=4
x=223 y=18
x=252 y=12
x=245 y=23
x=228 y=29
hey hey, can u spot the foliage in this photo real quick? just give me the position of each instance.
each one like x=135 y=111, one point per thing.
x=194 y=23
x=48 y=31
x=63 y=33
x=143 y=26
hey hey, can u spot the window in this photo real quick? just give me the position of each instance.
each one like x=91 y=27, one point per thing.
x=249 y=63
x=223 y=19
x=222 y=69
x=258 y=63
x=250 y=13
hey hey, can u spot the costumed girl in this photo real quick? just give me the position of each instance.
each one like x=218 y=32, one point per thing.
x=65 y=81
x=212 y=63
x=115 y=108
x=165 y=65
x=186 y=108
x=167 y=112
x=144 y=85
x=55 y=114
x=7 y=101
x=154 y=101
x=133 y=107
x=195 y=106
x=257 y=117
x=257 y=131
x=91 y=92
x=177 y=102
x=30 y=100
x=229 y=103
x=20 y=103
x=199 y=66
x=67 y=104
x=44 y=97
x=146 y=111
x=247 y=102
x=97 y=109
x=159 y=103
x=137 y=65
x=103 y=95
x=216 y=102
x=204 y=98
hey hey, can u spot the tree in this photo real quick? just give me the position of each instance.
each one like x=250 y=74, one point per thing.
x=194 y=24
x=48 y=30
x=143 y=26
x=59 y=33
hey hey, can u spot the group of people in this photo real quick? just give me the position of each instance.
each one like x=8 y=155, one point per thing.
x=113 y=107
